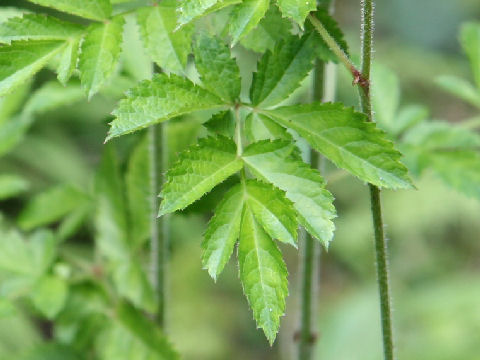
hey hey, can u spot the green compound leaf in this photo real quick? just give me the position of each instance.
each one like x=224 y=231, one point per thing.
x=168 y=48
x=223 y=231
x=470 y=38
x=157 y=100
x=272 y=210
x=263 y=275
x=280 y=73
x=190 y=10
x=297 y=9
x=90 y=9
x=245 y=17
x=348 y=140
x=198 y=170
x=22 y=59
x=304 y=186
x=270 y=30
x=37 y=27
x=218 y=71
x=100 y=54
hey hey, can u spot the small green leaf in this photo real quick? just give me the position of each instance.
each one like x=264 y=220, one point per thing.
x=280 y=73
x=245 y=17
x=297 y=9
x=222 y=123
x=198 y=170
x=470 y=38
x=37 y=27
x=100 y=52
x=144 y=331
x=304 y=186
x=12 y=185
x=218 y=71
x=160 y=99
x=263 y=275
x=460 y=88
x=272 y=210
x=68 y=61
x=259 y=127
x=22 y=59
x=168 y=48
x=189 y=10
x=270 y=30
x=223 y=231
x=50 y=206
x=49 y=295
x=346 y=138
x=90 y=9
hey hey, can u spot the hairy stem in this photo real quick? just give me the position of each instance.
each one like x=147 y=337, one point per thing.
x=380 y=241
x=159 y=228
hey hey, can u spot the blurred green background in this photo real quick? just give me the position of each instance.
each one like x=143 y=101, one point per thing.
x=433 y=232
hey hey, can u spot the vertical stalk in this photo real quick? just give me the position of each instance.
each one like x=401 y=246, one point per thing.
x=159 y=228
x=310 y=255
x=380 y=241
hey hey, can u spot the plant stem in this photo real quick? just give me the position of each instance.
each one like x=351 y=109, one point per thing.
x=380 y=241
x=310 y=256
x=382 y=273
x=159 y=228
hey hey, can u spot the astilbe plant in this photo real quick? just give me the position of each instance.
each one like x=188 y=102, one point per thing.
x=253 y=137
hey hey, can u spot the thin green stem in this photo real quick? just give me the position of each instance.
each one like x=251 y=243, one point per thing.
x=382 y=273
x=310 y=256
x=380 y=241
